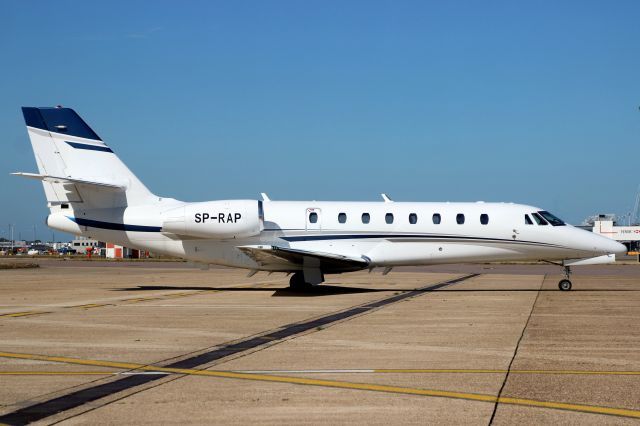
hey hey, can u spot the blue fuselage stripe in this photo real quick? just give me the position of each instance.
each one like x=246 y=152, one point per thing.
x=424 y=237
x=114 y=226
x=78 y=145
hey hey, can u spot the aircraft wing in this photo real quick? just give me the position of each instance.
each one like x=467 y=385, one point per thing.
x=297 y=259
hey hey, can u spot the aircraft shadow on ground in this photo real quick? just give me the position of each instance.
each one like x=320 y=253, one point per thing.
x=325 y=290
x=331 y=290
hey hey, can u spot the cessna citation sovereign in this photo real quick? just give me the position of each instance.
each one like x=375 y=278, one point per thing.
x=91 y=192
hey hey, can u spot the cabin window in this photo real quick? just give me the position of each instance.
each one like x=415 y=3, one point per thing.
x=313 y=217
x=366 y=218
x=342 y=217
x=413 y=218
x=388 y=218
x=64 y=206
x=539 y=219
x=527 y=220
x=436 y=219
x=460 y=219
x=484 y=219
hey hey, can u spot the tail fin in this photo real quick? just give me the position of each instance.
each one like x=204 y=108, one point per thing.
x=75 y=165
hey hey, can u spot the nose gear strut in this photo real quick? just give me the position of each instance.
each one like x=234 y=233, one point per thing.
x=565 y=283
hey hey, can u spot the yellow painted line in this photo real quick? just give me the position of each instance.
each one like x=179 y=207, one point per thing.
x=55 y=373
x=441 y=371
x=23 y=314
x=99 y=305
x=78 y=373
x=91 y=305
x=337 y=384
x=78 y=361
x=194 y=293
x=176 y=295
x=481 y=371
x=140 y=299
x=167 y=296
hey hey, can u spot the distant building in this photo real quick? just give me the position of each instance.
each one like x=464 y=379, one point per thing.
x=18 y=246
x=115 y=251
x=627 y=235
x=84 y=245
x=59 y=245
x=81 y=243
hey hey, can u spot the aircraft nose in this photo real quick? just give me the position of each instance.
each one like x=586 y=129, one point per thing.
x=611 y=246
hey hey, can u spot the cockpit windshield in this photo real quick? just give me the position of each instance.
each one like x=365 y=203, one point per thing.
x=553 y=220
x=539 y=219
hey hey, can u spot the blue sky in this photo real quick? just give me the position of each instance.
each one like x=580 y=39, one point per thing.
x=530 y=102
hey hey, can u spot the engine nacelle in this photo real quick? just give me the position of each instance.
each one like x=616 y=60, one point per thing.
x=216 y=219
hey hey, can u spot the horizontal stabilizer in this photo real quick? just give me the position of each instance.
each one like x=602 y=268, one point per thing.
x=58 y=179
x=328 y=262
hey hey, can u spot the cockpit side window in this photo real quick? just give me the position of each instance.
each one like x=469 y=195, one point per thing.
x=527 y=220
x=539 y=220
x=553 y=220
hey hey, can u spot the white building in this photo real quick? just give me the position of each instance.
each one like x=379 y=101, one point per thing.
x=627 y=235
x=81 y=244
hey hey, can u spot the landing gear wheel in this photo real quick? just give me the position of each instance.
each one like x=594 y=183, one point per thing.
x=564 y=285
x=297 y=282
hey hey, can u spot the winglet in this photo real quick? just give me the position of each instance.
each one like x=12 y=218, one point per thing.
x=386 y=198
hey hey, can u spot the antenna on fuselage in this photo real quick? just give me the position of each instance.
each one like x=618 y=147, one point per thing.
x=386 y=198
x=265 y=197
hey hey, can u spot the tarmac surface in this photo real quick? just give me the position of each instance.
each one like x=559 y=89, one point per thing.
x=162 y=342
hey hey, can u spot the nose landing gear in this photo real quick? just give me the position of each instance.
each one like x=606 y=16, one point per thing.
x=565 y=283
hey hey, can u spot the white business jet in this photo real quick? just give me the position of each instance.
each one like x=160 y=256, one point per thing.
x=91 y=192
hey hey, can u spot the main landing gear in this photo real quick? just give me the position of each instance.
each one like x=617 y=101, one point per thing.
x=298 y=283
x=565 y=283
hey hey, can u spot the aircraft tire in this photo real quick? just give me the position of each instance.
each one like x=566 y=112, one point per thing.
x=564 y=285
x=297 y=282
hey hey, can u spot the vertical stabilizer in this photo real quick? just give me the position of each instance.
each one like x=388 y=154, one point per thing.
x=65 y=147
